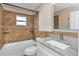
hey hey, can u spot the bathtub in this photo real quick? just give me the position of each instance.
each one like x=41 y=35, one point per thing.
x=16 y=49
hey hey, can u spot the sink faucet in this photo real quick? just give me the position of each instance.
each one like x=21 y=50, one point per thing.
x=61 y=36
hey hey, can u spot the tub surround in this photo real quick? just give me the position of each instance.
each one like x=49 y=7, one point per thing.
x=11 y=32
x=17 y=33
x=1 y=29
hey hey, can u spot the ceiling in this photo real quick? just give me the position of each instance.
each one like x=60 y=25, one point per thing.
x=31 y=6
x=60 y=6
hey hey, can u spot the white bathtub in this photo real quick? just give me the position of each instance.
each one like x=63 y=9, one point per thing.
x=16 y=49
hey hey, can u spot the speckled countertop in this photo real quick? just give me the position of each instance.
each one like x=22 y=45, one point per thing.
x=66 y=52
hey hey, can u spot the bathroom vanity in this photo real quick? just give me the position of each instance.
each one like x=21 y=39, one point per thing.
x=49 y=47
x=42 y=50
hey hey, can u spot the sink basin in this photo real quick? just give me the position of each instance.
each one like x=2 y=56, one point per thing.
x=57 y=44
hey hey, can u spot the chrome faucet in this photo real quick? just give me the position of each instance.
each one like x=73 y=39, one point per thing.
x=61 y=36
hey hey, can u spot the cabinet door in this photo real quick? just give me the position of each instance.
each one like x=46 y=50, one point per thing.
x=1 y=27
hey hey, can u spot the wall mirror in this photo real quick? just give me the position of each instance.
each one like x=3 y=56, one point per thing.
x=66 y=16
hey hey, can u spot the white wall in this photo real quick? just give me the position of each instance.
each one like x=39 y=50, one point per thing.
x=16 y=49
x=46 y=12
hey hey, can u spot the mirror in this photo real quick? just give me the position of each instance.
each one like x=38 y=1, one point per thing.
x=66 y=16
